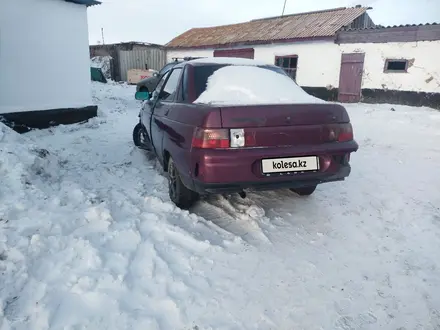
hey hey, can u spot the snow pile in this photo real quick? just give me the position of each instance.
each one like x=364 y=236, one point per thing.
x=94 y=242
x=104 y=63
x=28 y=172
x=22 y=161
x=247 y=85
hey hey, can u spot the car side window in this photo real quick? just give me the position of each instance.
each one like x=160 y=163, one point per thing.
x=160 y=83
x=168 y=91
x=166 y=68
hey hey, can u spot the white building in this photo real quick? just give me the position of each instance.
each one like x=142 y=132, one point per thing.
x=44 y=62
x=333 y=54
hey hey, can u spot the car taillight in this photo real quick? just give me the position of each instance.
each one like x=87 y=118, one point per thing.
x=345 y=132
x=340 y=132
x=211 y=138
x=206 y=138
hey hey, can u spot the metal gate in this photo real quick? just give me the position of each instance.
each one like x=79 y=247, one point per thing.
x=244 y=53
x=153 y=58
x=350 y=78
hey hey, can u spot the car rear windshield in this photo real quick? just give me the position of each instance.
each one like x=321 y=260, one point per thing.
x=203 y=72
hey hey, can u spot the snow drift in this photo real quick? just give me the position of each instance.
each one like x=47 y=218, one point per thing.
x=247 y=85
x=22 y=161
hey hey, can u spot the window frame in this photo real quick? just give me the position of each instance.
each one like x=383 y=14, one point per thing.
x=388 y=60
x=166 y=68
x=164 y=78
x=166 y=82
x=288 y=70
x=183 y=90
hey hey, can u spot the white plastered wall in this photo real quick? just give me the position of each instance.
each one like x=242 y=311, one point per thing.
x=319 y=63
x=44 y=55
x=424 y=66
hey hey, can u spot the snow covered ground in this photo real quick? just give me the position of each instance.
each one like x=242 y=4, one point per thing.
x=90 y=240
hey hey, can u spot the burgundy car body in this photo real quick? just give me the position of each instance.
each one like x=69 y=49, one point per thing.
x=178 y=128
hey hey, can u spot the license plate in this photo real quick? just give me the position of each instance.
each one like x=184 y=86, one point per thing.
x=293 y=164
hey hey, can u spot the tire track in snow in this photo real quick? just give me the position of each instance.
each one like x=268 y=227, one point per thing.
x=243 y=220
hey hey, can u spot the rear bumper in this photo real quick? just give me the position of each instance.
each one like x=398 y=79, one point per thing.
x=288 y=182
x=216 y=171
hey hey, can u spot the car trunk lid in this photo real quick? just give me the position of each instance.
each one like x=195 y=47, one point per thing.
x=285 y=125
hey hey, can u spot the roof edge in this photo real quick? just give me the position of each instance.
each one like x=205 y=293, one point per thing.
x=129 y=43
x=254 y=42
x=274 y=17
x=381 y=27
x=180 y=42
x=187 y=31
x=308 y=12
x=397 y=33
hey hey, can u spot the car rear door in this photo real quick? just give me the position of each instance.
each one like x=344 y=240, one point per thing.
x=161 y=110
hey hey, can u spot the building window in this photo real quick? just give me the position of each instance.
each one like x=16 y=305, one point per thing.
x=289 y=63
x=396 y=65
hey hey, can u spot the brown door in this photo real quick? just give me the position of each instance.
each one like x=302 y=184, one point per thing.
x=350 y=78
x=244 y=53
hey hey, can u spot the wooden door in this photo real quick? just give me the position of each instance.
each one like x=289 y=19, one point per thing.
x=350 y=78
x=244 y=53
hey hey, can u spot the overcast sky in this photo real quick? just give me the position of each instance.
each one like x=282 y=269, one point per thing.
x=159 y=21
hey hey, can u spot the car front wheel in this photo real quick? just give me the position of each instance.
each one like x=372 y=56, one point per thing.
x=304 y=191
x=179 y=194
x=140 y=137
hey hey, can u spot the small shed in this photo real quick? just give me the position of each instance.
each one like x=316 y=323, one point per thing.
x=44 y=62
x=131 y=55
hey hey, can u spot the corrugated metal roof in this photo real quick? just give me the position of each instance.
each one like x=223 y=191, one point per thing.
x=87 y=3
x=324 y=23
x=381 y=27
x=129 y=44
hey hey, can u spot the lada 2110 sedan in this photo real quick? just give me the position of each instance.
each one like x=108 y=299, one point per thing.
x=221 y=125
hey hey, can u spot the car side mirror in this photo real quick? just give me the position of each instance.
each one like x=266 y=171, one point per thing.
x=142 y=96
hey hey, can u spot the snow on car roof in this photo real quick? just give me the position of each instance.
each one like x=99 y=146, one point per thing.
x=247 y=85
x=228 y=60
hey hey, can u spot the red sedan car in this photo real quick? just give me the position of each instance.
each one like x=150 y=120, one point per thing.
x=225 y=125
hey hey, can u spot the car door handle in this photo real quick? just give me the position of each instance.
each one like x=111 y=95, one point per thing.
x=167 y=112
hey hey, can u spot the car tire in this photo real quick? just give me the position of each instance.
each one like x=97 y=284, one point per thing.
x=180 y=195
x=140 y=137
x=304 y=191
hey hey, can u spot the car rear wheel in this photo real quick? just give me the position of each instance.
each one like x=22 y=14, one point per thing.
x=304 y=191
x=179 y=194
x=140 y=137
